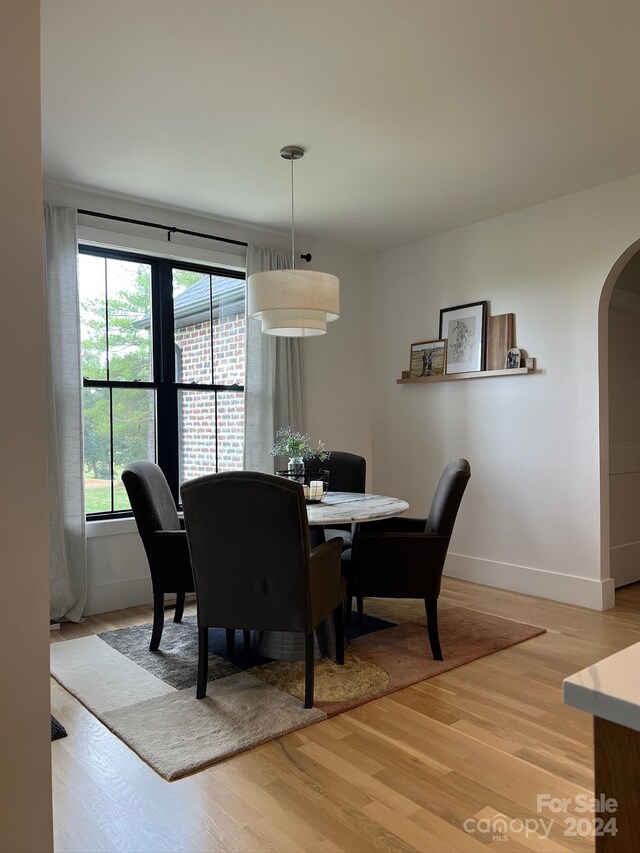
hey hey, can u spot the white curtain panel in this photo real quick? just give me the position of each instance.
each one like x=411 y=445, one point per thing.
x=273 y=375
x=67 y=560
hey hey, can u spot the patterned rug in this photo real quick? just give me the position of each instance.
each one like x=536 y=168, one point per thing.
x=148 y=698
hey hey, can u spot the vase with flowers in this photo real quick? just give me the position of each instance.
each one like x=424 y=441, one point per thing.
x=297 y=448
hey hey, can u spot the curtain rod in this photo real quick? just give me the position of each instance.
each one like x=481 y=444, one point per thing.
x=171 y=229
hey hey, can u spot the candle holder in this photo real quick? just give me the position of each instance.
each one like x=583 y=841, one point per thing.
x=314 y=483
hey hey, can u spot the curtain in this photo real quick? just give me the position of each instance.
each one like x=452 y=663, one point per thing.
x=67 y=550
x=273 y=375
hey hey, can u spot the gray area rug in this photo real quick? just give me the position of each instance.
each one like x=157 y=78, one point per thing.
x=176 y=661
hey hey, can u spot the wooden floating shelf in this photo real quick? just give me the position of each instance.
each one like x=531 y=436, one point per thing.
x=478 y=374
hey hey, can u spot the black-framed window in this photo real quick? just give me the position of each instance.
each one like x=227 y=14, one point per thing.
x=163 y=353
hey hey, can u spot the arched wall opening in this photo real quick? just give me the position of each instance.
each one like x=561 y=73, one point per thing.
x=619 y=309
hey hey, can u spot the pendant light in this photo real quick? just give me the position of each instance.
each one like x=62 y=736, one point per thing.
x=293 y=303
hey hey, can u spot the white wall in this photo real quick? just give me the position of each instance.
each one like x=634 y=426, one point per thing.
x=337 y=392
x=25 y=747
x=530 y=520
x=624 y=433
x=337 y=403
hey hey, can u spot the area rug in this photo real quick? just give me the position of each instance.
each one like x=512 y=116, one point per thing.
x=57 y=729
x=148 y=698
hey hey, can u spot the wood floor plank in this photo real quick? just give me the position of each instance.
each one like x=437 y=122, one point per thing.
x=346 y=828
x=344 y=770
x=434 y=835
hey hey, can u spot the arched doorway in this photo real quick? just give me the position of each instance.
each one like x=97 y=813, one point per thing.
x=619 y=373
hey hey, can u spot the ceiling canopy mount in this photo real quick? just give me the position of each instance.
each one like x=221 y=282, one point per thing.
x=292 y=152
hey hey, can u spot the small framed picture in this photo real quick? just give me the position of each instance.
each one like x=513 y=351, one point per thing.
x=513 y=359
x=428 y=358
x=463 y=327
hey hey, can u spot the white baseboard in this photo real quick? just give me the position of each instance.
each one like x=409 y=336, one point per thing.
x=569 y=589
x=122 y=594
x=117 y=595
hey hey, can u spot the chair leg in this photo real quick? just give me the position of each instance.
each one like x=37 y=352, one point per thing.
x=309 y=663
x=158 y=621
x=203 y=661
x=431 y=606
x=360 y=608
x=349 y=606
x=338 y=623
x=231 y=642
x=247 y=641
x=177 y=616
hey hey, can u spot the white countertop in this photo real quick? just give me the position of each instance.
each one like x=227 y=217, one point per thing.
x=609 y=689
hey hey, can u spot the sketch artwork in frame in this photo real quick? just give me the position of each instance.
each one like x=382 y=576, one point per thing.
x=428 y=358
x=463 y=327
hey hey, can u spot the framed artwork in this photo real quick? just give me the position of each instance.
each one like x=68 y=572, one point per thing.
x=513 y=359
x=463 y=327
x=428 y=358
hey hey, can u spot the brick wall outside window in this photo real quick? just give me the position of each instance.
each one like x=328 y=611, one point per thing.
x=197 y=421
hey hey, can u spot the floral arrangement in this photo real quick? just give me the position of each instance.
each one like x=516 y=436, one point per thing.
x=291 y=443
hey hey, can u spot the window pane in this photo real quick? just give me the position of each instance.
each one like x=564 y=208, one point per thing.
x=192 y=326
x=230 y=430
x=196 y=434
x=199 y=299
x=228 y=330
x=133 y=418
x=93 y=317
x=134 y=434
x=97 y=450
x=129 y=316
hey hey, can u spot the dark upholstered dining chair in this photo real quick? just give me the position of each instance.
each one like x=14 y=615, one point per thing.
x=164 y=540
x=404 y=557
x=347 y=473
x=252 y=564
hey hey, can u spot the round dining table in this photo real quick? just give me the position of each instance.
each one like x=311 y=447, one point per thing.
x=335 y=508
x=353 y=508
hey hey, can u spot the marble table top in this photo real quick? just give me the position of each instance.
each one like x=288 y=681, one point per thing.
x=609 y=689
x=348 y=507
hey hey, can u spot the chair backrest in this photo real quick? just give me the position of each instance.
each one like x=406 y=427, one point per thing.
x=150 y=497
x=447 y=497
x=249 y=542
x=347 y=471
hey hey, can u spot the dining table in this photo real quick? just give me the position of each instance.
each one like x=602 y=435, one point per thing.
x=336 y=508
x=353 y=508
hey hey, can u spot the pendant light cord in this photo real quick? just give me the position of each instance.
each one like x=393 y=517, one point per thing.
x=293 y=239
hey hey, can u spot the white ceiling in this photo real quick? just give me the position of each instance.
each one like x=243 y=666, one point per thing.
x=417 y=117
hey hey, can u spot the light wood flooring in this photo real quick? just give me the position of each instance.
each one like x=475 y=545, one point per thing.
x=400 y=773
